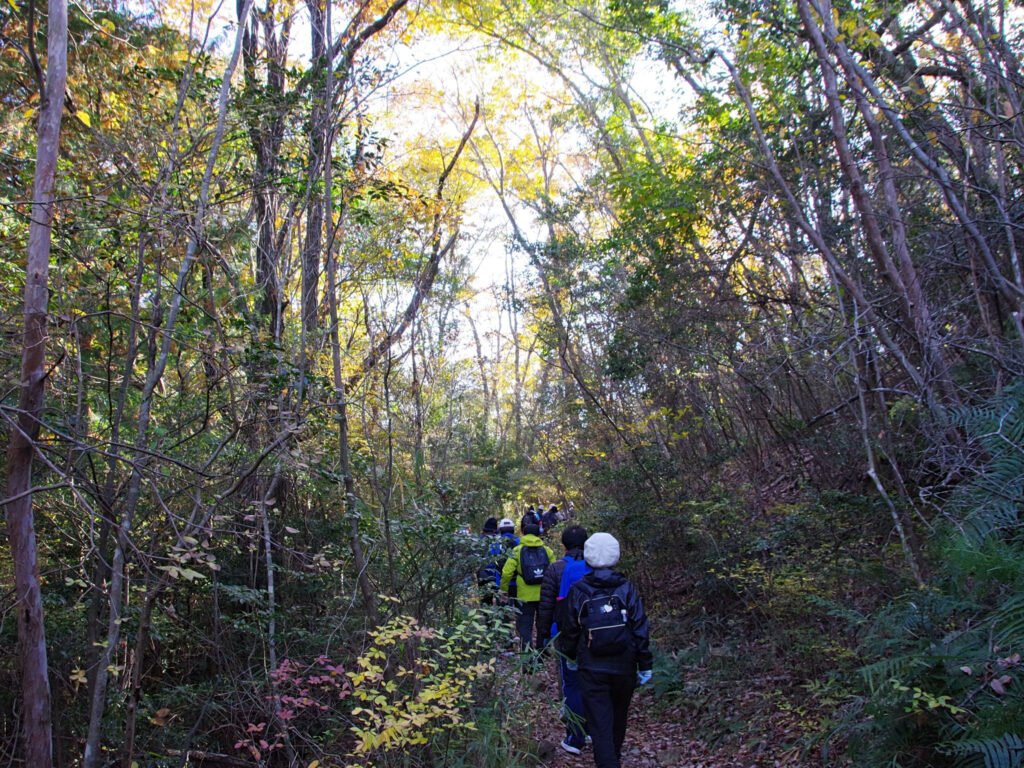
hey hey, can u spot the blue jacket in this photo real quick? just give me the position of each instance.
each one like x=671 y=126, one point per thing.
x=549 y=612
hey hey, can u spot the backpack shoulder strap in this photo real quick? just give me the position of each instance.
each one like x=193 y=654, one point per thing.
x=517 y=555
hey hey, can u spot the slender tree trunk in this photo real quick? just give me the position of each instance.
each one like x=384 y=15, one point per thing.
x=135 y=675
x=344 y=452
x=93 y=755
x=35 y=683
x=341 y=405
x=517 y=394
x=901 y=526
x=266 y=133
x=315 y=163
x=417 y=393
x=482 y=365
x=900 y=271
x=389 y=474
x=817 y=239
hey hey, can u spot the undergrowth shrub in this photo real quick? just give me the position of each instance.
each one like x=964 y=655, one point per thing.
x=945 y=682
x=410 y=699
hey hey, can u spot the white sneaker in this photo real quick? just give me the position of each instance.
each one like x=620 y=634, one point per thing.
x=569 y=747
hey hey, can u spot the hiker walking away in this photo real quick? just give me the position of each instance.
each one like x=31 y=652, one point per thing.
x=507 y=541
x=606 y=638
x=525 y=570
x=489 y=574
x=554 y=589
x=531 y=516
x=507 y=529
x=549 y=518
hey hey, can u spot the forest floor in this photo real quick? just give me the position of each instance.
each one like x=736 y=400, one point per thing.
x=662 y=734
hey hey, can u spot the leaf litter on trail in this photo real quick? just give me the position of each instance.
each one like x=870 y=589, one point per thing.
x=661 y=737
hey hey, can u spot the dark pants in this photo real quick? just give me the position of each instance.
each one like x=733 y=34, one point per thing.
x=606 y=704
x=575 y=730
x=487 y=592
x=525 y=615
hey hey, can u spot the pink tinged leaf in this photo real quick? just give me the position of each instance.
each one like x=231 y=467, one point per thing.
x=967 y=670
x=997 y=686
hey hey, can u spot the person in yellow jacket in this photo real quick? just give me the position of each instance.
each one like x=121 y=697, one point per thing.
x=526 y=565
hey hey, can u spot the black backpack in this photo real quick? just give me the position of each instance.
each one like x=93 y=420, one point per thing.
x=488 y=575
x=532 y=563
x=604 y=619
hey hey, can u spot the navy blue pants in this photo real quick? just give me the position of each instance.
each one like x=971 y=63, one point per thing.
x=606 y=700
x=525 y=615
x=575 y=730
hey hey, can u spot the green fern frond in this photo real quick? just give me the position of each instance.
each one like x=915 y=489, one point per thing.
x=880 y=672
x=1007 y=751
x=1010 y=619
x=990 y=503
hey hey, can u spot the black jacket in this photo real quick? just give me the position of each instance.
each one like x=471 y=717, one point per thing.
x=549 y=520
x=572 y=639
x=548 y=611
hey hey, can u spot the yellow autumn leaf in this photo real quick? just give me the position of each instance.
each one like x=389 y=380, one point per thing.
x=84 y=117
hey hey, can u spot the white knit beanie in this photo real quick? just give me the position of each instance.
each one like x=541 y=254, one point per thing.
x=601 y=550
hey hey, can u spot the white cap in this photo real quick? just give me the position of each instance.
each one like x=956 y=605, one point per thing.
x=601 y=550
x=506 y=523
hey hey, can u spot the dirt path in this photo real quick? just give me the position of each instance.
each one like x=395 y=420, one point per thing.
x=660 y=736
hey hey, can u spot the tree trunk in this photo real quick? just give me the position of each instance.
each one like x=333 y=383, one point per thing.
x=93 y=753
x=35 y=683
x=316 y=160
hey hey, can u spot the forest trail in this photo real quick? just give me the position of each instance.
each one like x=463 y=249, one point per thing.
x=661 y=736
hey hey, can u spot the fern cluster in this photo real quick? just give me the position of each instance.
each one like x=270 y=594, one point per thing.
x=946 y=684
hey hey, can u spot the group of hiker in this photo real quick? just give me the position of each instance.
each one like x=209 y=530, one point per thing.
x=582 y=609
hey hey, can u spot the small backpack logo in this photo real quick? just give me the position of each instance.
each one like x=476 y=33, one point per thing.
x=605 y=620
x=533 y=561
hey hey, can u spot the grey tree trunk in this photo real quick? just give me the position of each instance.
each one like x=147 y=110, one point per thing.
x=35 y=684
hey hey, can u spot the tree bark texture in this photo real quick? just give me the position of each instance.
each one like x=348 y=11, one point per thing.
x=35 y=684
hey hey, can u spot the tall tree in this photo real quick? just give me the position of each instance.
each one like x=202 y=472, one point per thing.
x=35 y=685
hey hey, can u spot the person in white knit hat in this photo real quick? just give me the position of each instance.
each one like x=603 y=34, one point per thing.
x=606 y=638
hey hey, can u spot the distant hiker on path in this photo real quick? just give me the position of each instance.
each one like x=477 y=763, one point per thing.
x=554 y=589
x=531 y=516
x=524 y=570
x=507 y=529
x=606 y=638
x=549 y=519
x=508 y=540
x=489 y=575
